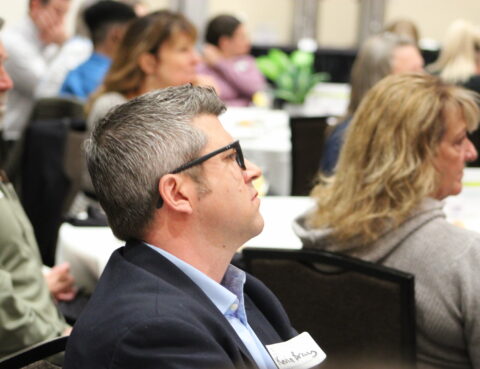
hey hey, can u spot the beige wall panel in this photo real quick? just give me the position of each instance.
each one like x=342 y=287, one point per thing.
x=337 y=23
x=432 y=17
x=268 y=21
x=157 y=4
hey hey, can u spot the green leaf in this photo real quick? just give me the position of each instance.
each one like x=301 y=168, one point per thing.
x=286 y=95
x=293 y=75
x=302 y=59
x=268 y=68
x=279 y=58
x=285 y=81
x=304 y=83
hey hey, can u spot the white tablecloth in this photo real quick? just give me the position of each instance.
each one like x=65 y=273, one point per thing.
x=89 y=248
x=264 y=135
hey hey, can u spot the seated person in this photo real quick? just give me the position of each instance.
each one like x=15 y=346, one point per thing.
x=404 y=28
x=106 y=22
x=33 y=46
x=157 y=51
x=379 y=56
x=459 y=59
x=405 y=152
x=227 y=60
x=28 y=314
x=170 y=298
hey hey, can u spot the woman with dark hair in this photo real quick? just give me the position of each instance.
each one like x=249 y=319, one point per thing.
x=227 y=60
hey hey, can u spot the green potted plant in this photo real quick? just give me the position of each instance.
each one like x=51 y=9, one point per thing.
x=292 y=75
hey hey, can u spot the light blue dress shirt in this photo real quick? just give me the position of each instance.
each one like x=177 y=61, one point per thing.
x=228 y=298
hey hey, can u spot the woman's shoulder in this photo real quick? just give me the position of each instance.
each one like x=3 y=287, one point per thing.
x=109 y=99
x=102 y=105
x=442 y=243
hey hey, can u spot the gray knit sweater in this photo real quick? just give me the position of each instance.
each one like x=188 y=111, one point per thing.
x=445 y=260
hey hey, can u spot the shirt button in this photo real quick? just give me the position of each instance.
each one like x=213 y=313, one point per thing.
x=234 y=307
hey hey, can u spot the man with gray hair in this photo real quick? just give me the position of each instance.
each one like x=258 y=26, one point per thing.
x=176 y=188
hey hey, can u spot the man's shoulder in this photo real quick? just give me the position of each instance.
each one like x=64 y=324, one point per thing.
x=158 y=310
x=23 y=31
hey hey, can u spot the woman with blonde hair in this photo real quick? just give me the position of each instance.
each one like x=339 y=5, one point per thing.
x=459 y=60
x=379 y=56
x=404 y=152
x=157 y=51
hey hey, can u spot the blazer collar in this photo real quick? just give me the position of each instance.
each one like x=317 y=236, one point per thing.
x=139 y=254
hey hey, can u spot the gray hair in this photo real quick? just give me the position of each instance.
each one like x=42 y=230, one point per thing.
x=373 y=62
x=137 y=143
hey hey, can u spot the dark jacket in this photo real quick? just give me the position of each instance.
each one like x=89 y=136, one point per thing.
x=146 y=313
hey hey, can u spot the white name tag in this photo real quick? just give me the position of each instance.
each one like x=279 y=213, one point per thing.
x=300 y=352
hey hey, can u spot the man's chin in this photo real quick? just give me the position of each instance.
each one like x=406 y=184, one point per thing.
x=260 y=224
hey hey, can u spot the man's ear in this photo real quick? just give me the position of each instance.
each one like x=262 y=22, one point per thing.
x=176 y=193
x=147 y=62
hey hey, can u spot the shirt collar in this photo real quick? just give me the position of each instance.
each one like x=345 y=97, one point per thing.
x=224 y=294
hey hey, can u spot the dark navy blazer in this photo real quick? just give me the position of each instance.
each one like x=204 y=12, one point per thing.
x=146 y=313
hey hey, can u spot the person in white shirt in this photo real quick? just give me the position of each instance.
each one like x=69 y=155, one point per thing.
x=32 y=46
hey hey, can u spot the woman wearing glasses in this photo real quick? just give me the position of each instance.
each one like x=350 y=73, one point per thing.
x=405 y=152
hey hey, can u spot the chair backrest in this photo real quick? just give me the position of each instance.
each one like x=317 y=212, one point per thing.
x=358 y=312
x=51 y=167
x=34 y=354
x=308 y=136
x=57 y=108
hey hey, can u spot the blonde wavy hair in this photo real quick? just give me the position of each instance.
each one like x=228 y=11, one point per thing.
x=460 y=54
x=145 y=34
x=386 y=165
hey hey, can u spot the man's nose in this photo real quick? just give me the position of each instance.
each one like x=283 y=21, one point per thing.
x=252 y=172
x=6 y=82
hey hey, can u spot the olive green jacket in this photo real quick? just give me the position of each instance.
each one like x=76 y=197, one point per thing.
x=28 y=314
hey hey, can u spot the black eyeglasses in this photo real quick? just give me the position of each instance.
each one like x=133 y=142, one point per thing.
x=238 y=158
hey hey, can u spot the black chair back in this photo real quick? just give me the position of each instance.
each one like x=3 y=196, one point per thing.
x=51 y=143
x=308 y=136
x=35 y=355
x=361 y=314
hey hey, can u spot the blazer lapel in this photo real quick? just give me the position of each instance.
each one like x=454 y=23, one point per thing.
x=142 y=256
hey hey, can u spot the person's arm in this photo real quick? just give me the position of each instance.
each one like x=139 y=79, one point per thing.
x=171 y=344
x=25 y=63
x=21 y=323
x=470 y=296
x=60 y=282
